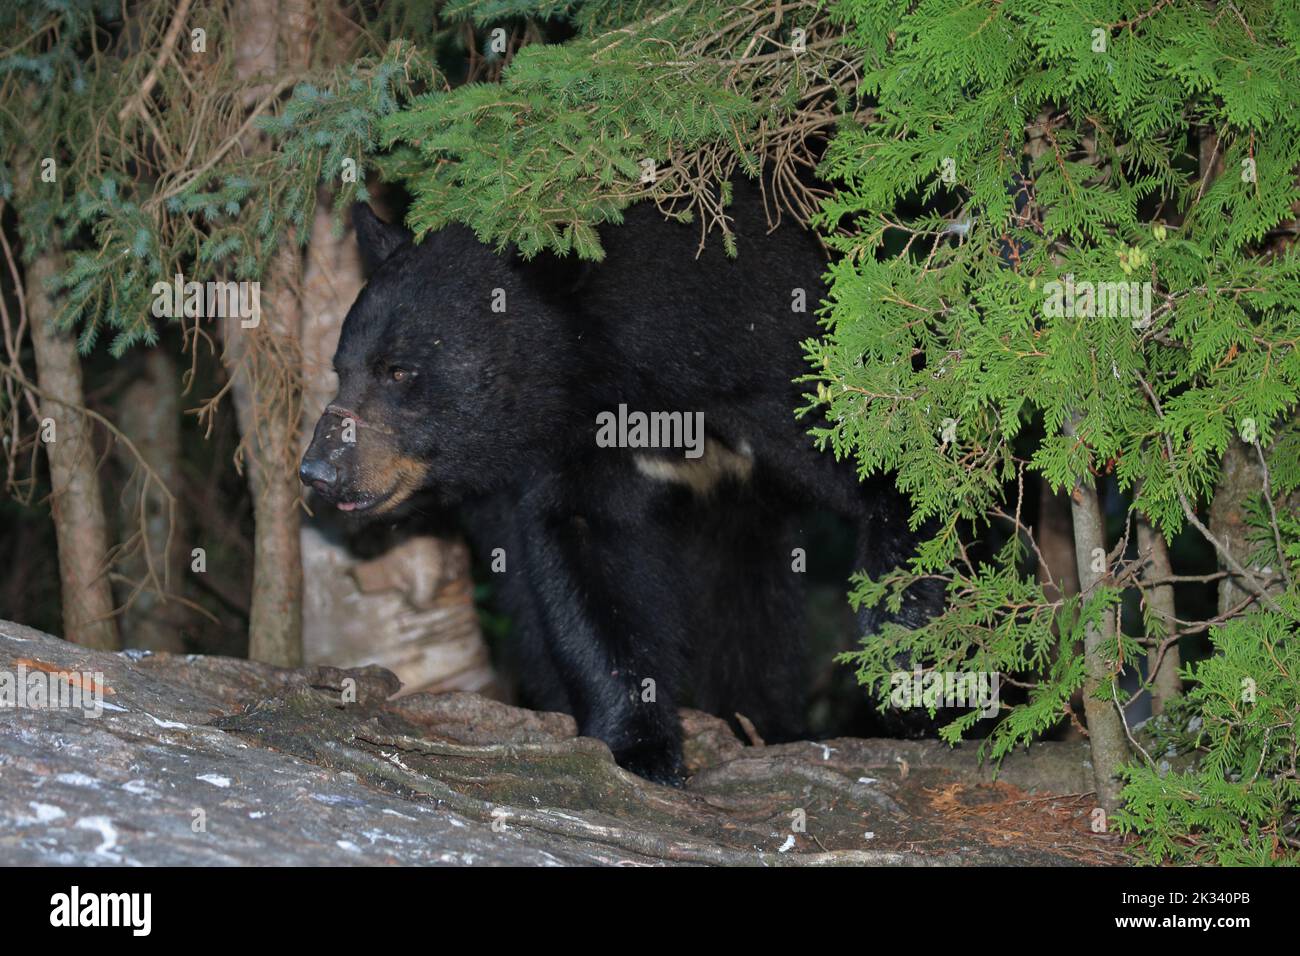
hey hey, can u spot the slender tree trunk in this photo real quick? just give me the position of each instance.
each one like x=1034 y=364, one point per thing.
x=1105 y=728
x=1055 y=537
x=264 y=362
x=76 y=499
x=1162 y=670
x=267 y=392
x=149 y=413
x=1239 y=475
x=1106 y=737
x=1239 y=478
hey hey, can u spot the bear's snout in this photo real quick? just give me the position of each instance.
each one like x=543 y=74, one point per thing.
x=321 y=467
x=319 y=474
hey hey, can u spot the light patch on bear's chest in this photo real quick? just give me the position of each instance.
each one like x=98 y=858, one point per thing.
x=702 y=475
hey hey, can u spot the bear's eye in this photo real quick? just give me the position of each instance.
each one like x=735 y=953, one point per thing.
x=399 y=374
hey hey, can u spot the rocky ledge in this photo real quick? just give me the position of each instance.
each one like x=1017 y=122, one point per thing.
x=128 y=759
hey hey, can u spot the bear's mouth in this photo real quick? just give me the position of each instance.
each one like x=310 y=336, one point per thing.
x=374 y=504
x=365 y=503
x=356 y=501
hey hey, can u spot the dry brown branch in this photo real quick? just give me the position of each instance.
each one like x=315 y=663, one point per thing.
x=166 y=49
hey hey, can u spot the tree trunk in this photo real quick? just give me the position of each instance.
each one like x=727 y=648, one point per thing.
x=1162 y=670
x=1055 y=537
x=149 y=413
x=1239 y=475
x=75 y=499
x=268 y=404
x=1106 y=736
x=264 y=362
x=1105 y=728
x=1239 y=478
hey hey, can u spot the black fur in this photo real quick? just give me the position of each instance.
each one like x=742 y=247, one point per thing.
x=614 y=577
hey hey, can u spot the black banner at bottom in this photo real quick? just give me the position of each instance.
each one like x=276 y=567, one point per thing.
x=609 y=906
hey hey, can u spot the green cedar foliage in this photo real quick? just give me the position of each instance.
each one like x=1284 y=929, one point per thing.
x=566 y=139
x=1236 y=806
x=536 y=159
x=944 y=361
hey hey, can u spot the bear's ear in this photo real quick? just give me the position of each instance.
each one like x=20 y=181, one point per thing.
x=376 y=238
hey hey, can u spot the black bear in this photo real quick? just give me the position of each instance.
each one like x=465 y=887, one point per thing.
x=622 y=437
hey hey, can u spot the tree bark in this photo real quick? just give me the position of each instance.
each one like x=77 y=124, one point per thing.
x=1106 y=735
x=75 y=499
x=267 y=394
x=1239 y=474
x=1055 y=537
x=1105 y=728
x=1162 y=670
x=264 y=363
x=1239 y=478
x=149 y=413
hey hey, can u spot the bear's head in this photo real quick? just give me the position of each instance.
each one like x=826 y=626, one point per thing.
x=447 y=374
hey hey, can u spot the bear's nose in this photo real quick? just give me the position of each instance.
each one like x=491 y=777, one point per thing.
x=318 y=473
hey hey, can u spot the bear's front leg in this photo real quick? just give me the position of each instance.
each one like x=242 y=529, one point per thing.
x=611 y=613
